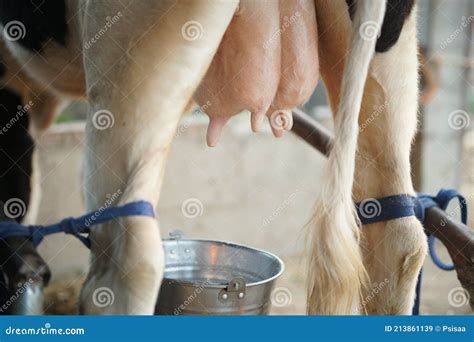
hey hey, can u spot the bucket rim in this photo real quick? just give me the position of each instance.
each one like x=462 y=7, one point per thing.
x=231 y=244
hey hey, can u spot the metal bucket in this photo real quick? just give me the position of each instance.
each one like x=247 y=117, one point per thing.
x=204 y=277
x=26 y=299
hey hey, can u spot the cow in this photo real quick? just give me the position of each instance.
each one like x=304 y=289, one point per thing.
x=141 y=64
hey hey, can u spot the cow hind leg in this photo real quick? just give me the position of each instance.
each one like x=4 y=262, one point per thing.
x=137 y=97
x=392 y=251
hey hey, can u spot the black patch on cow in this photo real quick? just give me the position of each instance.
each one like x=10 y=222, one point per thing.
x=396 y=13
x=16 y=152
x=352 y=8
x=42 y=20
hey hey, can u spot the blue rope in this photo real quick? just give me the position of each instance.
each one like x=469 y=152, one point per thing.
x=416 y=307
x=75 y=226
x=441 y=200
x=436 y=259
x=397 y=206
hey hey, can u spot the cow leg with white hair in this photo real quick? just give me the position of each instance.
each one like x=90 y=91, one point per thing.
x=142 y=80
x=346 y=258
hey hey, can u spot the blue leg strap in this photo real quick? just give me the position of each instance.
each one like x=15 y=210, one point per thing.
x=75 y=226
x=393 y=207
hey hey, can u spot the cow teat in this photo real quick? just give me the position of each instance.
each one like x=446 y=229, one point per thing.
x=214 y=130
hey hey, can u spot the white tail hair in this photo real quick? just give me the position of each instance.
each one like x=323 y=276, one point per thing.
x=337 y=273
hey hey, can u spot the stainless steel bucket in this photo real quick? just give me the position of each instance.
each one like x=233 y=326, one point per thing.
x=26 y=299
x=204 y=277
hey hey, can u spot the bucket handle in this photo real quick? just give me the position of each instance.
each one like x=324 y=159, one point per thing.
x=175 y=235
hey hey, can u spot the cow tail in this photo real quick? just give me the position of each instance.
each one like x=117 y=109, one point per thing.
x=337 y=273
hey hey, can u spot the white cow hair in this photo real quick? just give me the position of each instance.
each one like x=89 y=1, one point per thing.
x=337 y=270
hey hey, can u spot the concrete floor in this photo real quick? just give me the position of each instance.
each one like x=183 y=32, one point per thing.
x=254 y=190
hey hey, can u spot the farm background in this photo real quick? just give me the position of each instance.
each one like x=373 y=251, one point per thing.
x=259 y=191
